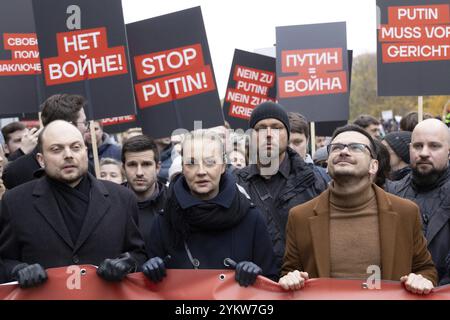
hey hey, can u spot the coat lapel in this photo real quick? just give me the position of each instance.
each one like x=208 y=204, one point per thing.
x=320 y=234
x=45 y=203
x=388 y=220
x=98 y=206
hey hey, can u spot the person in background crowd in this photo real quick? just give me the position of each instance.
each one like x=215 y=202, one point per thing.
x=237 y=159
x=208 y=219
x=320 y=157
x=370 y=124
x=107 y=148
x=19 y=140
x=57 y=107
x=165 y=148
x=3 y=162
x=112 y=170
x=410 y=120
x=355 y=224
x=141 y=163
x=277 y=178
x=384 y=165
x=428 y=185
x=130 y=133
x=75 y=218
x=298 y=141
x=397 y=144
x=322 y=141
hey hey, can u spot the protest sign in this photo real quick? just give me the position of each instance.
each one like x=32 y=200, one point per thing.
x=312 y=70
x=20 y=83
x=413 y=47
x=173 y=75
x=84 y=51
x=251 y=82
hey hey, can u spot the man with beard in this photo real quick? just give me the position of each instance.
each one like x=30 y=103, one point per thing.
x=208 y=219
x=428 y=185
x=354 y=225
x=68 y=217
x=277 y=178
x=140 y=158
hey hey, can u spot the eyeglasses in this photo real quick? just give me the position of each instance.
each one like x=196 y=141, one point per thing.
x=352 y=147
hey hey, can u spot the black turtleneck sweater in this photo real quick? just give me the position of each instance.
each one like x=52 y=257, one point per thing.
x=73 y=203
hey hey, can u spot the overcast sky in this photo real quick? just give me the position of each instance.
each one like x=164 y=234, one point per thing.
x=250 y=24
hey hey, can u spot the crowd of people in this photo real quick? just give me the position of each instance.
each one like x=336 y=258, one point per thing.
x=258 y=202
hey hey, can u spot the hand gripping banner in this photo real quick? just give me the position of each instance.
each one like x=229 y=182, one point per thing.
x=82 y=283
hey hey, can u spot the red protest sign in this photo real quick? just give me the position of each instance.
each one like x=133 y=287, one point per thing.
x=188 y=75
x=320 y=71
x=252 y=88
x=84 y=54
x=24 y=53
x=415 y=34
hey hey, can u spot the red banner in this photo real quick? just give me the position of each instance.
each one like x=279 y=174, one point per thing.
x=82 y=283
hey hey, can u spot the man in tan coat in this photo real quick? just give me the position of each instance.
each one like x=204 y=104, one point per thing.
x=354 y=225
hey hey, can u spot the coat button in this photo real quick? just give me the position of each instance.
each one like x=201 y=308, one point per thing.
x=75 y=259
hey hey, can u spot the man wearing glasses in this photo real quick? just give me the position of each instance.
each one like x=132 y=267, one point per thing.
x=355 y=225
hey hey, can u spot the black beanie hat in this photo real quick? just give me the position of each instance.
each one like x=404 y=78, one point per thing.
x=267 y=110
x=399 y=142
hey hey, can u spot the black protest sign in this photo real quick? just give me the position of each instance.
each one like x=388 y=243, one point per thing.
x=20 y=68
x=83 y=50
x=251 y=82
x=172 y=72
x=413 y=47
x=119 y=124
x=312 y=70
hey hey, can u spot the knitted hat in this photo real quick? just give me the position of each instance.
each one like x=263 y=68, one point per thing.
x=269 y=110
x=321 y=154
x=399 y=142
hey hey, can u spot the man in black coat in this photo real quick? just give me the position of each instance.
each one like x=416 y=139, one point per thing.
x=65 y=107
x=140 y=158
x=207 y=219
x=277 y=179
x=68 y=217
x=428 y=185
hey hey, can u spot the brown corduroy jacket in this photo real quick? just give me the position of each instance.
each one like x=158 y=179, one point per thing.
x=403 y=246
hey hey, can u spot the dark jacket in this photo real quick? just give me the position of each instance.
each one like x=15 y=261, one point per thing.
x=108 y=149
x=20 y=170
x=148 y=210
x=437 y=223
x=26 y=168
x=166 y=161
x=32 y=229
x=302 y=185
x=247 y=240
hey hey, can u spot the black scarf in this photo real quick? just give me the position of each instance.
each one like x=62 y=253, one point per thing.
x=73 y=203
x=187 y=214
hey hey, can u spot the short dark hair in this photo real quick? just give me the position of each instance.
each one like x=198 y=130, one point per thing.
x=384 y=164
x=62 y=107
x=411 y=119
x=298 y=124
x=365 y=120
x=10 y=128
x=352 y=127
x=138 y=144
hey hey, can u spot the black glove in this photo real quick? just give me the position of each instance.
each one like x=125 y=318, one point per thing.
x=154 y=269
x=117 y=269
x=246 y=273
x=29 y=275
